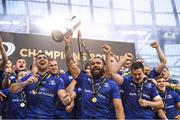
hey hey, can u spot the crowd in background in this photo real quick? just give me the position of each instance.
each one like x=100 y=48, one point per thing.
x=105 y=89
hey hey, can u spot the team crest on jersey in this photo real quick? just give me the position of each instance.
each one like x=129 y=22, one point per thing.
x=106 y=85
x=52 y=82
x=43 y=82
x=42 y=89
x=149 y=85
x=169 y=96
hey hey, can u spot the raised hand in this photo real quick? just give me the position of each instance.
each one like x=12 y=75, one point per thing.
x=33 y=79
x=154 y=44
x=70 y=107
x=106 y=49
x=143 y=103
x=68 y=37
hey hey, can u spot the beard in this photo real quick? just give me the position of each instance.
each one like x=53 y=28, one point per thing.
x=97 y=73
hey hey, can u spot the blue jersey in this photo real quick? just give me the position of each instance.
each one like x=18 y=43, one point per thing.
x=174 y=81
x=77 y=108
x=13 y=105
x=67 y=78
x=12 y=78
x=17 y=105
x=170 y=99
x=153 y=74
x=2 y=76
x=60 y=108
x=13 y=102
x=42 y=104
x=102 y=107
x=130 y=95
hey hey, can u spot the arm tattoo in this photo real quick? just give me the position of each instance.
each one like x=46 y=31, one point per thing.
x=68 y=53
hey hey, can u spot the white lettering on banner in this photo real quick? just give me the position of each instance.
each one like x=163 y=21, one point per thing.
x=55 y=54
x=23 y=52
x=10 y=48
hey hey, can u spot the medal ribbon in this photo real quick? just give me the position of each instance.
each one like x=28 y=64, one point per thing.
x=23 y=95
x=96 y=91
x=39 y=83
x=164 y=100
x=139 y=93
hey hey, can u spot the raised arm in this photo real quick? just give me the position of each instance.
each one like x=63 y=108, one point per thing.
x=112 y=66
x=71 y=64
x=3 y=54
x=109 y=68
x=161 y=56
x=6 y=82
x=34 y=67
x=127 y=57
x=70 y=89
x=17 y=87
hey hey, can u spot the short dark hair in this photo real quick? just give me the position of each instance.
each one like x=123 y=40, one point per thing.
x=137 y=65
x=22 y=58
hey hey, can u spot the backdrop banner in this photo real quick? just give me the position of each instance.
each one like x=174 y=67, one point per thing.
x=28 y=45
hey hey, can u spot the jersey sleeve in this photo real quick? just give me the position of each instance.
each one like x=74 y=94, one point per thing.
x=115 y=91
x=82 y=76
x=154 y=91
x=60 y=85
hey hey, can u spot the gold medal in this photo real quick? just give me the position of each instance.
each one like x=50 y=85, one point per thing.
x=94 y=99
x=33 y=92
x=22 y=104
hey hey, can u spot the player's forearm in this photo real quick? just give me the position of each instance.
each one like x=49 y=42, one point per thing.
x=5 y=82
x=119 y=114
x=3 y=53
x=156 y=104
x=162 y=114
x=17 y=87
x=162 y=57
